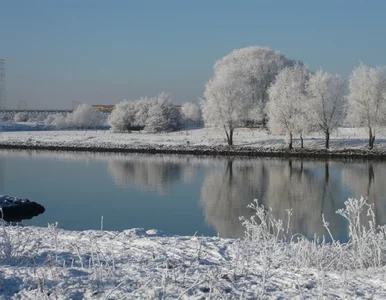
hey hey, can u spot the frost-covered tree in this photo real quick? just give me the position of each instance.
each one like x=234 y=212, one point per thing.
x=367 y=98
x=190 y=113
x=326 y=102
x=238 y=89
x=21 y=117
x=84 y=116
x=287 y=106
x=224 y=104
x=257 y=67
x=123 y=116
x=162 y=114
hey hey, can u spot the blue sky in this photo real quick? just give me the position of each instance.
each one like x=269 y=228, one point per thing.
x=101 y=52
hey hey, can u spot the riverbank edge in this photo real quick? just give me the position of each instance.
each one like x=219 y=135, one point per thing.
x=240 y=151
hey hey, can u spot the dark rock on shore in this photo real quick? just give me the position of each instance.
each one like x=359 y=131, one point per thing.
x=17 y=209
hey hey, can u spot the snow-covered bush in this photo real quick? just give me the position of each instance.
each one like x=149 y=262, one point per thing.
x=162 y=114
x=155 y=114
x=21 y=117
x=142 y=111
x=86 y=117
x=190 y=113
x=83 y=117
x=123 y=116
x=60 y=122
x=366 y=247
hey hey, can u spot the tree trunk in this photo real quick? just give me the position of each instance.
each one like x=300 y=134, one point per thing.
x=230 y=142
x=371 y=138
x=290 y=142
x=229 y=135
x=327 y=139
x=301 y=141
x=264 y=122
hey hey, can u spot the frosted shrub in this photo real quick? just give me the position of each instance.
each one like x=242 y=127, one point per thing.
x=155 y=114
x=262 y=226
x=60 y=122
x=83 y=117
x=368 y=242
x=190 y=113
x=15 y=247
x=122 y=118
x=162 y=115
x=365 y=248
x=21 y=117
x=86 y=117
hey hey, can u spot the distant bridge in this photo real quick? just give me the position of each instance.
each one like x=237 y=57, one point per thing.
x=34 y=113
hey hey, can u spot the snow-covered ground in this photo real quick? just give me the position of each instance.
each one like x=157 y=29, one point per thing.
x=50 y=263
x=345 y=139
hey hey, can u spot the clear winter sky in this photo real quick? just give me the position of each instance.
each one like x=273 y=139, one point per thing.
x=100 y=52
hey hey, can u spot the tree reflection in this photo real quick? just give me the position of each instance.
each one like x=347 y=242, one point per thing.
x=155 y=173
x=225 y=199
x=306 y=188
x=368 y=180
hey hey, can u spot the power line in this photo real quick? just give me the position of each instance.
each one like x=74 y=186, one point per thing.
x=3 y=95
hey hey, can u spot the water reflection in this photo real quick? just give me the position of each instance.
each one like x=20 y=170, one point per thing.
x=225 y=195
x=307 y=188
x=156 y=173
x=189 y=193
x=368 y=179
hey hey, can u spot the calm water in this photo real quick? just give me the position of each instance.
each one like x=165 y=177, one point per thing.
x=185 y=194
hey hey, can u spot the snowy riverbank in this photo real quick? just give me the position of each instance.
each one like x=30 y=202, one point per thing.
x=51 y=263
x=248 y=142
x=135 y=264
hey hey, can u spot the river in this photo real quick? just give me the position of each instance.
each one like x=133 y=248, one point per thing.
x=188 y=195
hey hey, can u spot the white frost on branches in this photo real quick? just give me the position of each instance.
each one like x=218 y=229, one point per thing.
x=224 y=104
x=237 y=92
x=190 y=113
x=83 y=117
x=287 y=106
x=155 y=114
x=162 y=114
x=326 y=102
x=367 y=98
x=123 y=116
x=21 y=117
x=257 y=67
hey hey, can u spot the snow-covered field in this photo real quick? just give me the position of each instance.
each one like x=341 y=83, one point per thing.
x=51 y=263
x=345 y=139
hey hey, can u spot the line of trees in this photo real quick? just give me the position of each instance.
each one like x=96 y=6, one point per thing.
x=259 y=85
